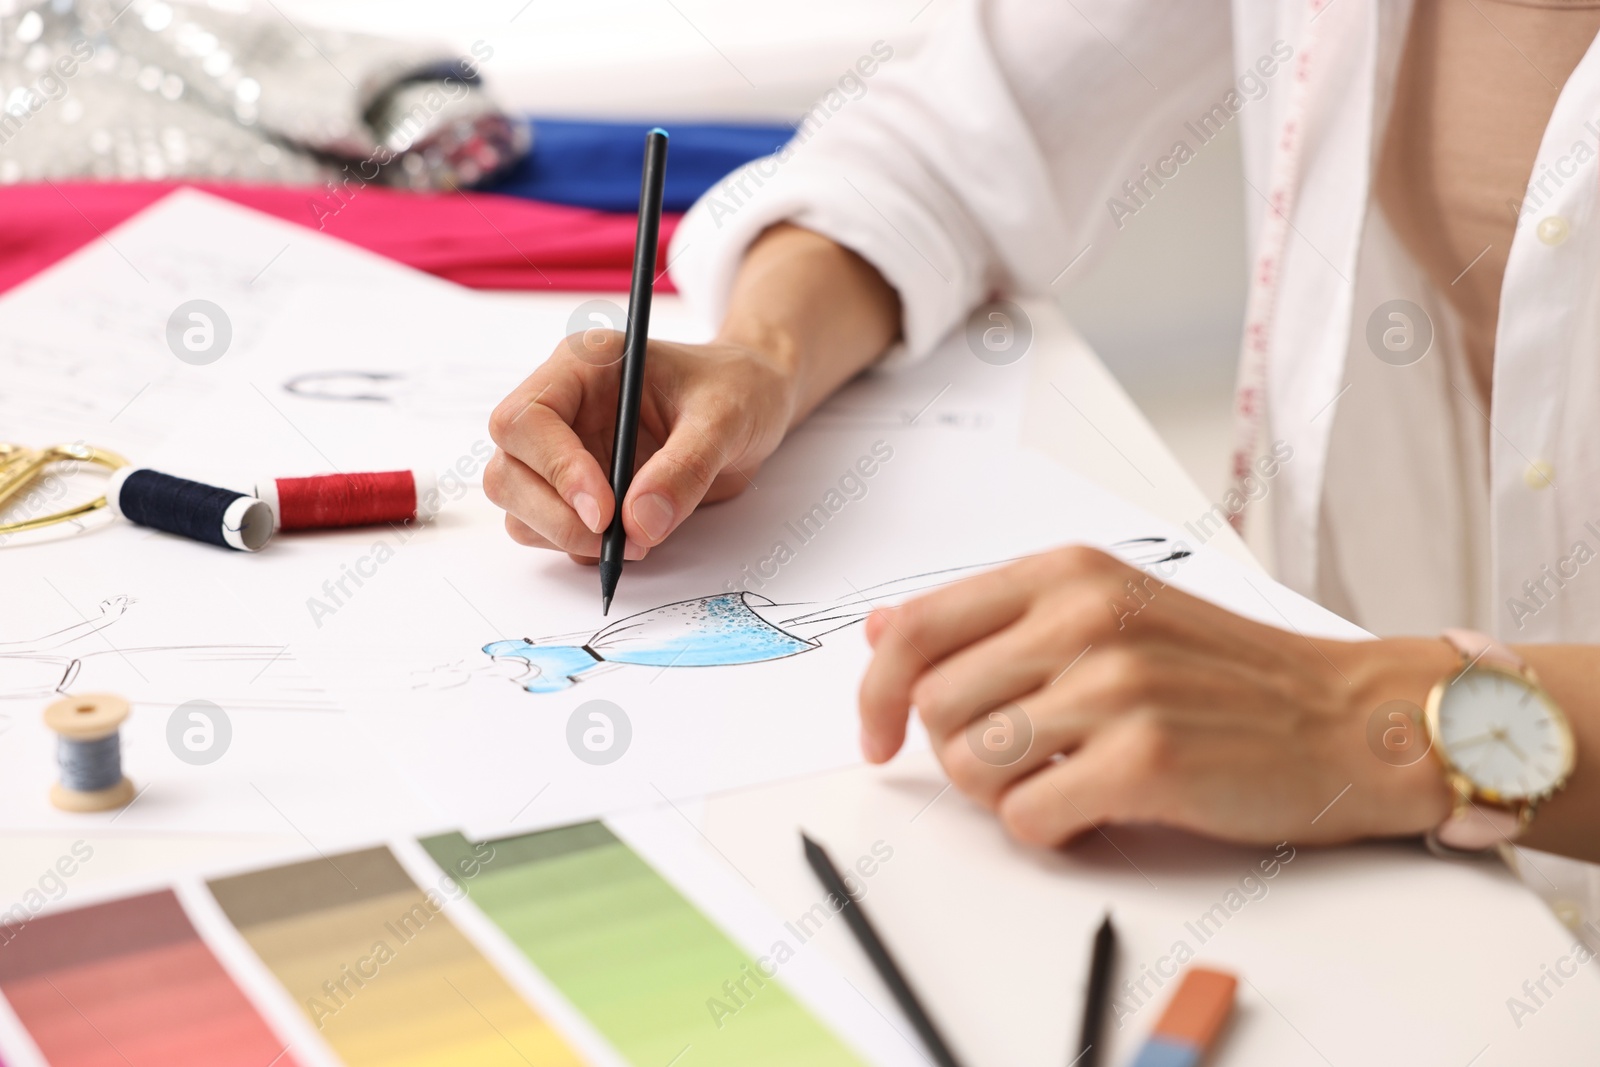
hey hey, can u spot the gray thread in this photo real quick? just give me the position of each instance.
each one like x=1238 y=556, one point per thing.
x=90 y=766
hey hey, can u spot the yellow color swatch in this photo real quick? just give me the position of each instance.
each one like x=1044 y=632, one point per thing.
x=381 y=971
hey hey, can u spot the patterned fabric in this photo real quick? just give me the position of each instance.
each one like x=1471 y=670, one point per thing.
x=152 y=90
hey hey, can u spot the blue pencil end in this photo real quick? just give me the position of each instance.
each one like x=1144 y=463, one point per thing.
x=659 y=130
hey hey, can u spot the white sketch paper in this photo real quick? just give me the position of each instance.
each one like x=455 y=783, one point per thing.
x=353 y=662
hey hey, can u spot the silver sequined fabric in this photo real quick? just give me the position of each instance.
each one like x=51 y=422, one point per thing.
x=235 y=91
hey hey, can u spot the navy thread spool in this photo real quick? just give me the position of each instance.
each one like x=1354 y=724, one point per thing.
x=89 y=752
x=189 y=509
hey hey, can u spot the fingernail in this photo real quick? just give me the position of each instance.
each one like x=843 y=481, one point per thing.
x=654 y=515
x=632 y=550
x=588 y=509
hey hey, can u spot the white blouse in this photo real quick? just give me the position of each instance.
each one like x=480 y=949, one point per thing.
x=1025 y=131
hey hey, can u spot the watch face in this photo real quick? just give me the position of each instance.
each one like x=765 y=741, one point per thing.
x=1503 y=735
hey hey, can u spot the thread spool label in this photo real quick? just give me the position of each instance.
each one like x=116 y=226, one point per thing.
x=198 y=732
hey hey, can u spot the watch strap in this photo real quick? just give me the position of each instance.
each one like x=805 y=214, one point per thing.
x=1473 y=827
x=1478 y=648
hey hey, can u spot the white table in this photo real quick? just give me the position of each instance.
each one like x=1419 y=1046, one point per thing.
x=994 y=934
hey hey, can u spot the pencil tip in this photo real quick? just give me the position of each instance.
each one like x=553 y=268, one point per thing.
x=610 y=572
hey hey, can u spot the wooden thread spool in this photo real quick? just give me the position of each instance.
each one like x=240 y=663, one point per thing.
x=91 y=769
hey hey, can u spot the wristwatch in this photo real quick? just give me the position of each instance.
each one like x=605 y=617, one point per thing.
x=1504 y=742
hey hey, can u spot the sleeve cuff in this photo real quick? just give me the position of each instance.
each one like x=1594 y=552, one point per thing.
x=870 y=217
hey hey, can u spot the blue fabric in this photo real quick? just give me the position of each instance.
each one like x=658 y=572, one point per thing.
x=597 y=164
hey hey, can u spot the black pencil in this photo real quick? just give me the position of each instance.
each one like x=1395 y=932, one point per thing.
x=630 y=391
x=878 y=953
x=1087 y=1054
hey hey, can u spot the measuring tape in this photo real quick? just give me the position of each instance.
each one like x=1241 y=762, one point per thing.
x=1283 y=182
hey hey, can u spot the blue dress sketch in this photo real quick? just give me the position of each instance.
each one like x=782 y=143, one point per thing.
x=724 y=630
x=734 y=628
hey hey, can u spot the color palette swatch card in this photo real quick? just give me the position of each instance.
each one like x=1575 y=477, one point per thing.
x=556 y=948
x=638 y=959
x=385 y=976
x=130 y=981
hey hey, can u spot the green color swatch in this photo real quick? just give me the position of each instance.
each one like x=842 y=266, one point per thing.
x=652 y=974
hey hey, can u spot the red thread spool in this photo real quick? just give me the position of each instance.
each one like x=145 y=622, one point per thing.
x=367 y=499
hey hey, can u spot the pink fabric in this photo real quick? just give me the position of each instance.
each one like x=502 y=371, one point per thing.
x=475 y=239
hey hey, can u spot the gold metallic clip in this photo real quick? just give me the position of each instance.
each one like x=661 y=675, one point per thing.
x=21 y=466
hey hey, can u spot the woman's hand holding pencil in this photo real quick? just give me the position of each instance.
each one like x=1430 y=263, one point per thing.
x=710 y=414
